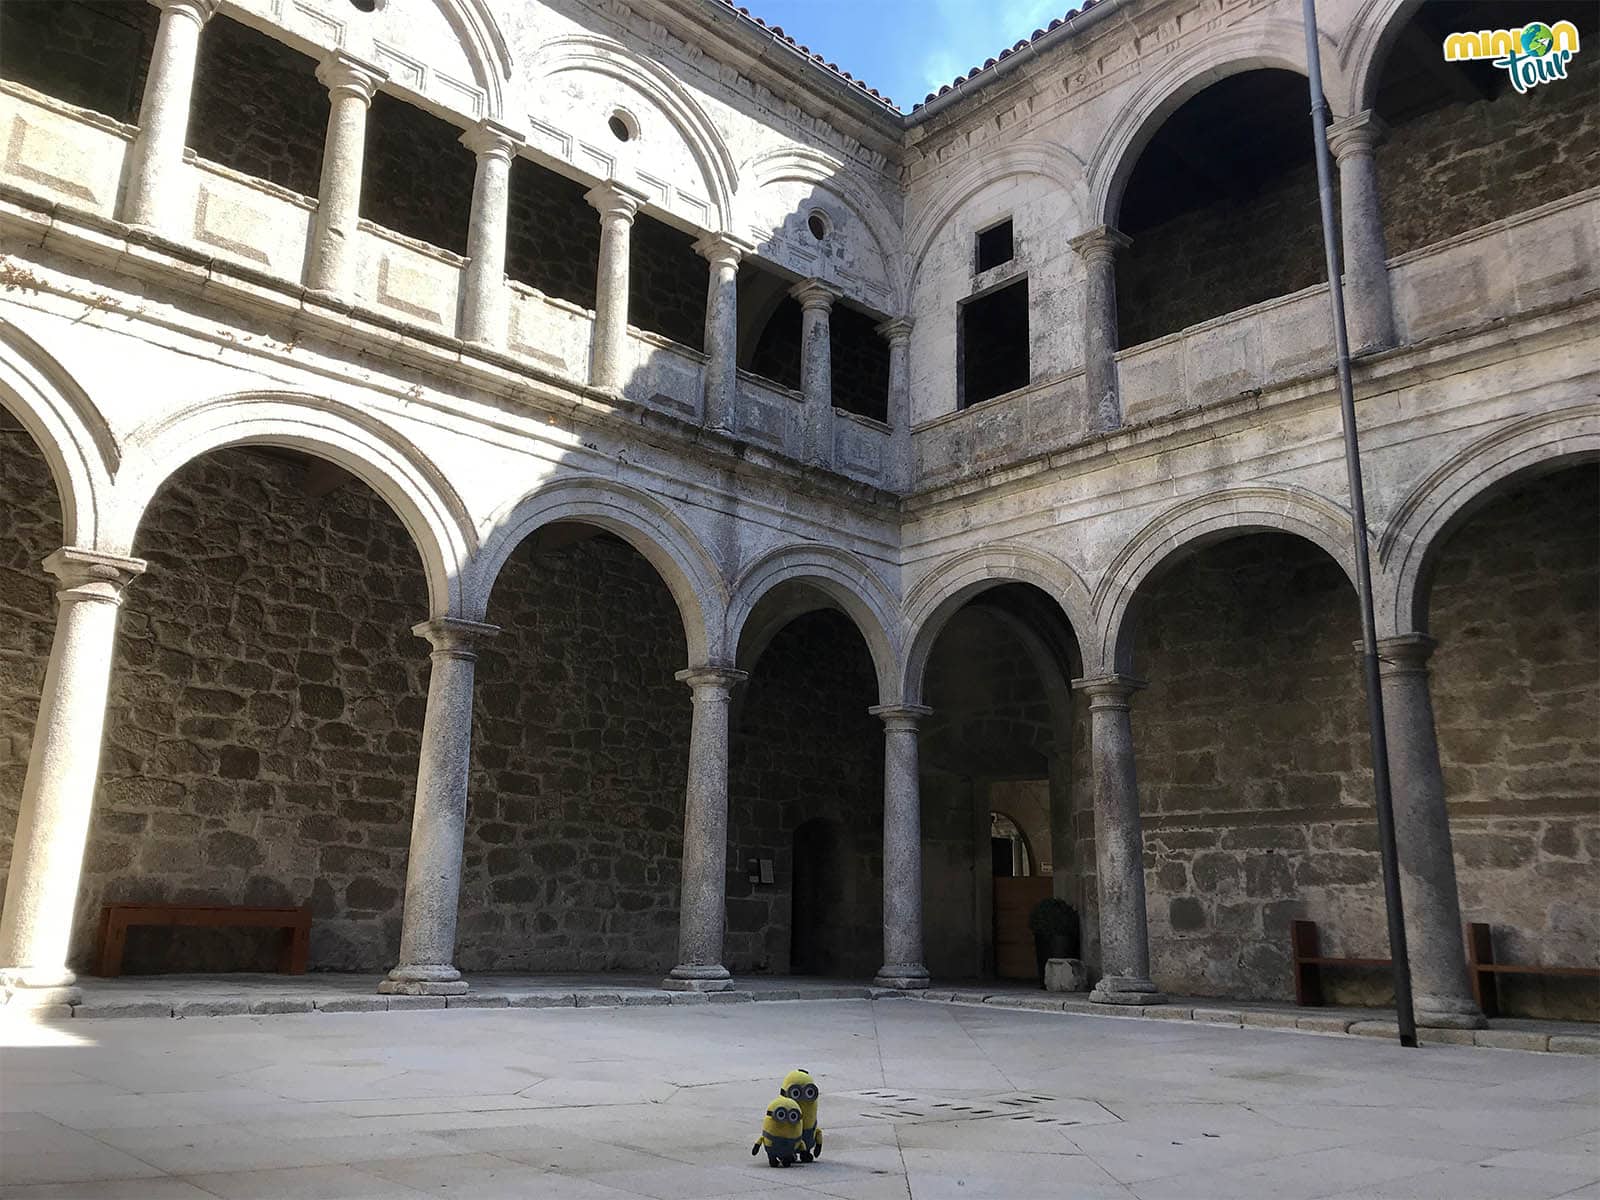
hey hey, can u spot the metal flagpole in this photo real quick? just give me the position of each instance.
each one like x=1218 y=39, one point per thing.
x=1358 y=513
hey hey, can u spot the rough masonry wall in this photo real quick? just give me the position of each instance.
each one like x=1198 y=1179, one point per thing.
x=258 y=107
x=777 y=352
x=553 y=235
x=579 y=756
x=805 y=748
x=92 y=53
x=667 y=282
x=405 y=146
x=1516 y=691
x=860 y=360
x=1465 y=165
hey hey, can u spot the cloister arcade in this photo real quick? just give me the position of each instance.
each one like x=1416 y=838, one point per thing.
x=738 y=622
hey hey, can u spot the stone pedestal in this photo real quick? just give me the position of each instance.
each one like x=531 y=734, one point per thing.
x=902 y=849
x=1119 y=846
x=702 y=917
x=331 y=267
x=438 y=822
x=483 y=282
x=816 y=369
x=1066 y=975
x=1099 y=248
x=1441 y=987
x=156 y=159
x=58 y=791
x=1369 y=306
x=902 y=464
x=721 y=392
x=617 y=207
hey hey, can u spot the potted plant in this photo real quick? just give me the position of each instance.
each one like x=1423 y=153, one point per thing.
x=1054 y=924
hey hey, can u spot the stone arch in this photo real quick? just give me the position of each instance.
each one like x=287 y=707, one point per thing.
x=1469 y=479
x=1365 y=49
x=1054 y=163
x=1190 y=525
x=610 y=58
x=1265 y=44
x=804 y=164
x=939 y=594
x=650 y=527
x=485 y=47
x=400 y=473
x=829 y=574
x=65 y=424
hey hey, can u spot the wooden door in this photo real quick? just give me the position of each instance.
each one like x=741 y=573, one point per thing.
x=1013 y=941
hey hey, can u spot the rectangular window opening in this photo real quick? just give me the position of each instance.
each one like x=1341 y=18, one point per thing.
x=995 y=246
x=992 y=344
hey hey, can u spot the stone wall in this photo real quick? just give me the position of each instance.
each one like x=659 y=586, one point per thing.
x=93 y=53
x=579 y=756
x=806 y=748
x=860 y=359
x=553 y=237
x=1516 y=690
x=667 y=281
x=258 y=107
x=405 y=146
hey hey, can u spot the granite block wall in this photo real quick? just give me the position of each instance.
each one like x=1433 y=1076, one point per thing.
x=92 y=53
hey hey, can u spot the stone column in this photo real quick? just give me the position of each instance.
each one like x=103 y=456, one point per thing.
x=816 y=369
x=617 y=206
x=902 y=470
x=1098 y=249
x=350 y=84
x=483 y=283
x=1119 y=846
x=1442 y=990
x=58 y=791
x=902 y=848
x=1366 y=259
x=702 y=916
x=723 y=252
x=157 y=155
x=439 y=819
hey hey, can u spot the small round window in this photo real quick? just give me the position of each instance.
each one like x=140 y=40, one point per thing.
x=365 y=6
x=818 y=224
x=622 y=128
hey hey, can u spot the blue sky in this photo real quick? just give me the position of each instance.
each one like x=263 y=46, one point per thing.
x=907 y=48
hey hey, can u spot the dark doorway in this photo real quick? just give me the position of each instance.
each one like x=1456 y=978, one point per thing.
x=819 y=877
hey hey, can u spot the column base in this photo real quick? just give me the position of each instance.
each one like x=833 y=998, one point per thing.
x=1125 y=990
x=903 y=977
x=1439 y=1012
x=424 y=980
x=39 y=987
x=714 y=978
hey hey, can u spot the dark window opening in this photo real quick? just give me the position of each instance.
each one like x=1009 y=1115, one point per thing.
x=553 y=239
x=365 y=6
x=1222 y=208
x=1464 y=147
x=818 y=226
x=666 y=282
x=995 y=246
x=258 y=107
x=859 y=356
x=776 y=355
x=619 y=129
x=92 y=53
x=992 y=344
x=418 y=175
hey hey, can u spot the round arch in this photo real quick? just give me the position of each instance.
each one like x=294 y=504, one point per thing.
x=823 y=574
x=649 y=526
x=1188 y=526
x=65 y=424
x=411 y=485
x=939 y=594
x=1374 y=29
x=1461 y=485
x=1267 y=44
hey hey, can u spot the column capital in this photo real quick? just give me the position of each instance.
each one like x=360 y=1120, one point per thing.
x=1356 y=134
x=723 y=249
x=92 y=575
x=613 y=199
x=454 y=636
x=721 y=678
x=901 y=716
x=1403 y=653
x=198 y=11
x=344 y=74
x=490 y=139
x=1100 y=244
x=813 y=294
x=1109 y=691
x=895 y=330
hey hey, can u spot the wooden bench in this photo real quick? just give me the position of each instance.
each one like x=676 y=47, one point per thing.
x=1485 y=972
x=1309 y=962
x=117 y=919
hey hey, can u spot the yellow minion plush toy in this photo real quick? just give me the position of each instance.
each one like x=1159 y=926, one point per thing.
x=780 y=1132
x=801 y=1088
